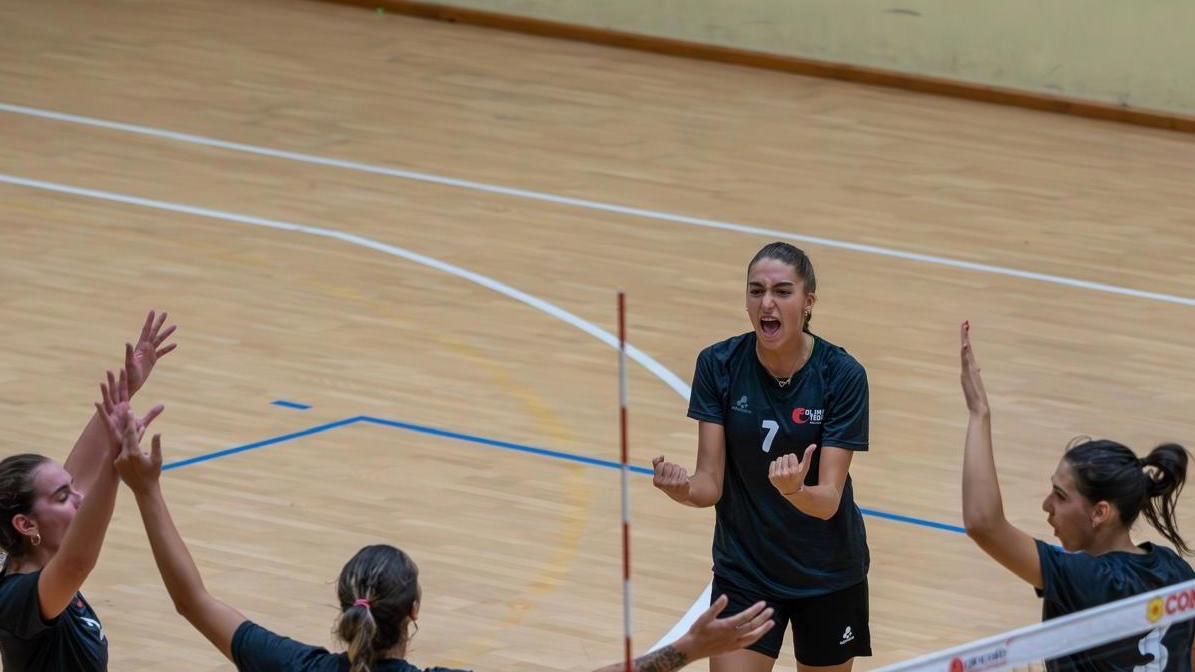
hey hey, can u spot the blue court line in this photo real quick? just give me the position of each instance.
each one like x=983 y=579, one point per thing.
x=260 y=444
x=290 y=404
x=506 y=445
x=913 y=521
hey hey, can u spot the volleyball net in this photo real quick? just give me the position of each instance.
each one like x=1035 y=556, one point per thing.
x=1137 y=634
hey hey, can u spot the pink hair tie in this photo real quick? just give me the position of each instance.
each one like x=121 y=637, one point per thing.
x=362 y=602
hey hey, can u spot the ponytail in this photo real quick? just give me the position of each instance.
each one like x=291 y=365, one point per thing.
x=378 y=591
x=358 y=629
x=1165 y=468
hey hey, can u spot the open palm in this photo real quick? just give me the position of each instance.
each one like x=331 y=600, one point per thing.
x=139 y=359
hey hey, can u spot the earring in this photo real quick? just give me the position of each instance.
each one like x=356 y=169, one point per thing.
x=35 y=539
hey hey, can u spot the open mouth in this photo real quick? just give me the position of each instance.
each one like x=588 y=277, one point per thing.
x=770 y=326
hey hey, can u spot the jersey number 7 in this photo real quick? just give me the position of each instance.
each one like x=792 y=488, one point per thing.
x=772 y=426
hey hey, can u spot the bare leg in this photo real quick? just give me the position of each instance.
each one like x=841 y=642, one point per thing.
x=842 y=667
x=742 y=661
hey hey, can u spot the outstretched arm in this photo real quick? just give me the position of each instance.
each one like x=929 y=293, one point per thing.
x=216 y=620
x=709 y=636
x=79 y=550
x=92 y=452
x=983 y=508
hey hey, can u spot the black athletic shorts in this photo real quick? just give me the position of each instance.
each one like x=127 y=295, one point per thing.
x=827 y=629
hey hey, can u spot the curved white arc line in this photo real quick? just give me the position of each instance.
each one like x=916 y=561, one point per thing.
x=559 y=313
x=594 y=205
x=606 y=337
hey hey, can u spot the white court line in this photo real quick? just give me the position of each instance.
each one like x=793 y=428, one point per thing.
x=594 y=205
x=657 y=369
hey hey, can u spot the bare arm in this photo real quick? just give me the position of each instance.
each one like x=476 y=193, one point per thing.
x=787 y=474
x=95 y=446
x=213 y=618
x=704 y=487
x=91 y=454
x=79 y=550
x=983 y=507
x=666 y=659
x=708 y=636
x=64 y=574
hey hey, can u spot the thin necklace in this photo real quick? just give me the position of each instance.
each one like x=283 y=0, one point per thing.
x=784 y=382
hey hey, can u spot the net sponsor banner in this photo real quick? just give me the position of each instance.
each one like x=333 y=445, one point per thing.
x=1081 y=631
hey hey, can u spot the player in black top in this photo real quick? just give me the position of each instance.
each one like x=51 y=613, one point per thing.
x=378 y=592
x=1098 y=490
x=780 y=414
x=52 y=524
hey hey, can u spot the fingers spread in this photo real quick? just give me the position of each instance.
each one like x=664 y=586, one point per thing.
x=164 y=335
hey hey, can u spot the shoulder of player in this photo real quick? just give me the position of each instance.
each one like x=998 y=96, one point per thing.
x=1119 y=572
x=10 y=581
x=1168 y=556
x=836 y=360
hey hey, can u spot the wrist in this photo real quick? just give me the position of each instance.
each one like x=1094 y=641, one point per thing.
x=688 y=648
x=795 y=493
x=147 y=490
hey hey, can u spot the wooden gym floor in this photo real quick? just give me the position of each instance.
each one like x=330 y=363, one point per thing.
x=410 y=227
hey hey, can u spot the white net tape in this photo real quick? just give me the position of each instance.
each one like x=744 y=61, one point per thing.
x=1146 y=617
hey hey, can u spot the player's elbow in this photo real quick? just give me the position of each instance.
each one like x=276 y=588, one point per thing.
x=188 y=603
x=704 y=490
x=826 y=513
x=187 y=608
x=828 y=504
x=980 y=527
x=823 y=510
x=703 y=500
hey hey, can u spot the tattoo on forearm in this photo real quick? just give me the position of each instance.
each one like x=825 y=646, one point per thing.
x=666 y=659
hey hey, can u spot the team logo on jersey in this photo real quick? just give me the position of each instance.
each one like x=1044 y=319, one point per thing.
x=812 y=416
x=741 y=405
x=94 y=624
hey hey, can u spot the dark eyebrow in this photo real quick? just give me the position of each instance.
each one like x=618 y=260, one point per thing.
x=778 y=284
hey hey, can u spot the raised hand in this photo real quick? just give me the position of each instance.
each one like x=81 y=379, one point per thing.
x=977 y=398
x=787 y=473
x=138 y=470
x=139 y=359
x=114 y=409
x=671 y=478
